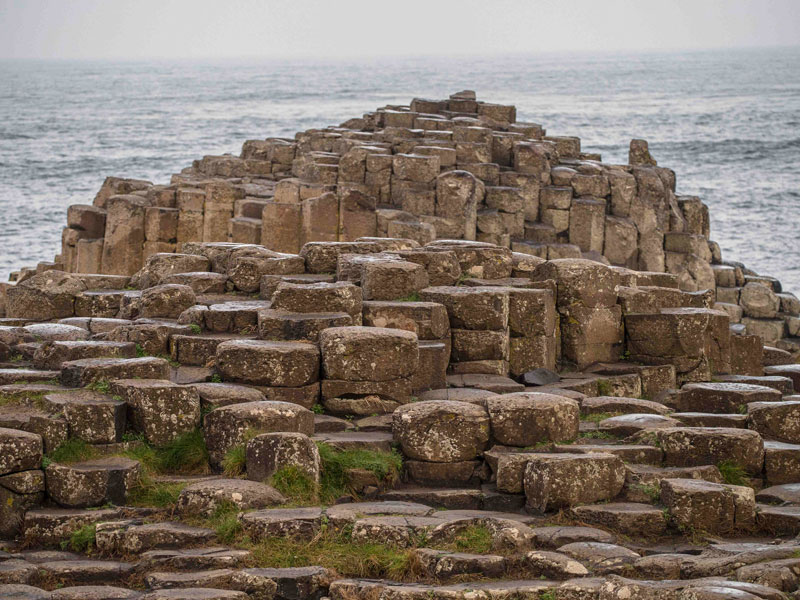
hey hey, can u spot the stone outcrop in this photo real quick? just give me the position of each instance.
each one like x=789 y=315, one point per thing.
x=327 y=338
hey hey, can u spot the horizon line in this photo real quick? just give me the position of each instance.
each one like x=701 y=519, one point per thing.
x=362 y=58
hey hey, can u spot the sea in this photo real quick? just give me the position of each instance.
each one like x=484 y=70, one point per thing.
x=727 y=122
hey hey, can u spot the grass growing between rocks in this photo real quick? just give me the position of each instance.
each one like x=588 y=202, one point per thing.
x=475 y=539
x=334 y=483
x=733 y=473
x=157 y=494
x=82 y=539
x=338 y=551
x=234 y=461
x=73 y=450
x=597 y=417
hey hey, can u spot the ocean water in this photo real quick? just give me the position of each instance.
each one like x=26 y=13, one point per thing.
x=728 y=123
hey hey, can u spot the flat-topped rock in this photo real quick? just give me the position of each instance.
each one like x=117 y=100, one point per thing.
x=282 y=522
x=205 y=497
x=226 y=426
x=78 y=373
x=159 y=409
x=614 y=405
x=563 y=480
x=125 y=537
x=722 y=397
x=51 y=355
x=629 y=424
x=441 y=430
x=526 y=419
x=694 y=446
x=268 y=363
x=627 y=518
x=92 y=483
x=92 y=417
x=368 y=353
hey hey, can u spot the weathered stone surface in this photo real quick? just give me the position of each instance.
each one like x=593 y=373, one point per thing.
x=82 y=372
x=627 y=518
x=319 y=297
x=159 y=409
x=279 y=522
x=553 y=565
x=722 y=397
x=269 y=363
x=561 y=480
x=205 y=497
x=368 y=353
x=160 y=267
x=441 y=430
x=19 y=450
x=527 y=418
x=281 y=325
x=227 y=426
x=268 y=453
x=711 y=507
x=167 y=300
x=471 y=307
x=776 y=420
x=131 y=537
x=45 y=296
x=51 y=355
x=92 y=483
x=694 y=446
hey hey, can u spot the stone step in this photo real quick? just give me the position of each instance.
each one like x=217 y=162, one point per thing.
x=50 y=526
x=236 y=316
x=787 y=494
x=16 y=376
x=722 y=397
x=92 y=483
x=93 y=572
x=792 y=371
x=199 y=350
x=130 y=537
x=91 y=416
x=377 y=441
x=627 y=518
x=53 y=429
x=193 y=559
x=783 y=384
x=83 y=372
x=201 y=282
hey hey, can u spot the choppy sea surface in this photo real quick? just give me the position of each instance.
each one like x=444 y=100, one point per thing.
x=728 y=123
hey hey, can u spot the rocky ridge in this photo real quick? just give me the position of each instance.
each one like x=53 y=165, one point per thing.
x=432 y=352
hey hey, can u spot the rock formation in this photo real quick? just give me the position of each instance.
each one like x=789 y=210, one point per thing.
x=262 y=378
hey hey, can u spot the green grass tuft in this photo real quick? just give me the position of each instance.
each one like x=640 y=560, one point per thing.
x=216 y=378
x=195 y=328
x=604 y=388
x=597 y=417
x=651 y=490
x=318 y=409
x=225 y=522
x=733 y=473
x=81 y=540
x=337 y=551
x=295 y=484
x=186 y=454
x=73 y=450
x=159 y=494
x=387 y=466
x=102 y=386
x=475 y=539
x=412 y=297
x=235 y=460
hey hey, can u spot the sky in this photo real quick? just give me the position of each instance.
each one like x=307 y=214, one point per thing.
x=144 y=29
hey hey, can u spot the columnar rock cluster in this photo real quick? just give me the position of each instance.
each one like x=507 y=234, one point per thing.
x=324 y=340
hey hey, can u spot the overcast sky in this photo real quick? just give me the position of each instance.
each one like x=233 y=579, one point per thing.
x=132 y=29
